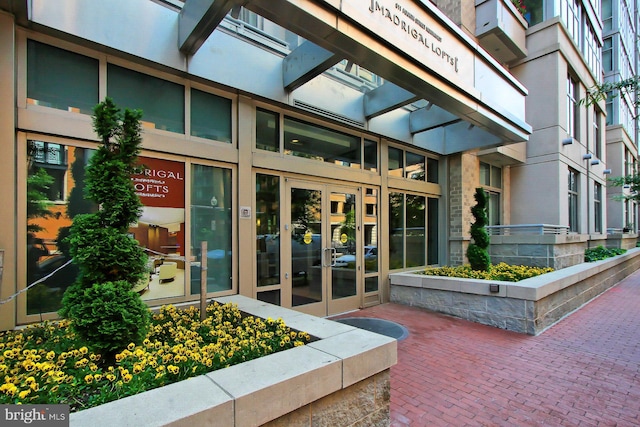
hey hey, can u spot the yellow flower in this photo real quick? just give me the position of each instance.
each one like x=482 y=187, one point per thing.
x=34 y=386
x=88 y=378
x=54 y=389
x=84 y=350
x=111 y=377
x=127 y=378
x=137 y=368
x=24 y=393
x=93 y=367
x=97 y=377
x=131 y=346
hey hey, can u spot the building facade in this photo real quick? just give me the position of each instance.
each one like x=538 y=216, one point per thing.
x=620 y=62
x=301 y=151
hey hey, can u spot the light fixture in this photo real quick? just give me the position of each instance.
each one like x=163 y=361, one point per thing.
x=595 y=162
x=567 y=141
x=626 y=186
x=606 y=172
x=587 y=156
x=296 y=141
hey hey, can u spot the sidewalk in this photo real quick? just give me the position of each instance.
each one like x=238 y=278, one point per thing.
x=584 y=371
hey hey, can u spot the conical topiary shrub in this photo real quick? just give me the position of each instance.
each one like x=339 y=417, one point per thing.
x=477 y=251
x=100 y=304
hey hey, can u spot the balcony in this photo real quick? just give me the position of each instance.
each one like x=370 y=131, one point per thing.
x=501 y=29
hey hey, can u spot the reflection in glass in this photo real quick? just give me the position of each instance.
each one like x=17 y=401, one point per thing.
x=310 y=141
x=211 y=222
x=432 y=170
x=416 y=238
x=268 y=229
x=371 y=284
x=306 y=249
x=371 y=231
x=343 y=240
x=396 y=162
x=415 y=167
x=370 y=155
x=56 y=173
x=396 y=230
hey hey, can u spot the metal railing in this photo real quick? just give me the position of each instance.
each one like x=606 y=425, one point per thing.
x=524 y=229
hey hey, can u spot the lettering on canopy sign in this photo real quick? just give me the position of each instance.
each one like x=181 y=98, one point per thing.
x=416 y=33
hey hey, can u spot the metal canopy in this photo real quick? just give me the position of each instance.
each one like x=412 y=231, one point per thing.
x=386 y=98
x=331 y=37
x=306 y=62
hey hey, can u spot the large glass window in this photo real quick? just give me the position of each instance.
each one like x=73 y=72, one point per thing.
x=415 y=167
x=597 y=207
x=573 y=200
x=161 y=101
x=311 y=141
x=407 y=240
x=572 y=107
x=370 y=155
x=534 y=11
x=55 y=187
x=396 y=162
x=211 y=222
x=597 y=135
x=61 y=79
x=268 y=229
x=210 y=116
x=491 y=181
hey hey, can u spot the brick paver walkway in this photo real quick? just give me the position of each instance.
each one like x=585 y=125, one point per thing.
x=584 y=371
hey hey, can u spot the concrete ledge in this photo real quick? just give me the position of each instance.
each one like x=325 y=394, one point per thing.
x=529 y=306
x=344 y=362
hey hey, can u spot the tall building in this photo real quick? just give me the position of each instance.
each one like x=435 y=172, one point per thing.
x=563 y=179
x=620 y=62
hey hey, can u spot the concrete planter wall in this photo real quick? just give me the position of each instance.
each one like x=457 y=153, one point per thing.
x=622 y=240
x=529 y=306
x=341 y=379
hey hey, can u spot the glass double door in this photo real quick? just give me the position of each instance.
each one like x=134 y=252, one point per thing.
x=322 y=247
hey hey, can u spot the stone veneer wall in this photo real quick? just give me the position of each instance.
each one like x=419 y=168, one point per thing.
x=463 y=180
x=548 y=250
x=529 y=306
x=623 y=241
x=364 y=404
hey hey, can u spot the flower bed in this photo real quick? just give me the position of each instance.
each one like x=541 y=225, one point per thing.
x=528 y=306
x=46 y=363
x=501 y=271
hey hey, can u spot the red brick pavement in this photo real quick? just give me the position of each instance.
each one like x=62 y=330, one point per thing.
x=583 y=371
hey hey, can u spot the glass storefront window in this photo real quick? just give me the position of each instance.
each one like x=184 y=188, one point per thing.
x=268 y=229
x=432 y=231
x=432 y=170
x=161 y=101
x=210 y=116
x=211 y=222
x=315 y=142
x=61 y=79
x=396 y=231
x=415 y=167
x=370 y=155
x=267 y=130
x=396 y=162
x=415 y=231
x=59 y=169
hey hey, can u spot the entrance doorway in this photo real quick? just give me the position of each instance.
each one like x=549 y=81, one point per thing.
x=322 y=248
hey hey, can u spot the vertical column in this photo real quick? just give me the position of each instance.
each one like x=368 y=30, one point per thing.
x=8 y=229
x=246 y=197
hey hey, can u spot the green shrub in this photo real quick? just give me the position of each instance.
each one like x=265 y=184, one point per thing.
x=600 y=252
x=477 y=251
x=103 y=310
x=502 y=271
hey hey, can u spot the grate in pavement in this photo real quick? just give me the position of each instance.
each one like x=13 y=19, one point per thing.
x=379 y=326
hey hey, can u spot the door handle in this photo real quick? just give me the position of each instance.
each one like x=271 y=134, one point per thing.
x=332 y=253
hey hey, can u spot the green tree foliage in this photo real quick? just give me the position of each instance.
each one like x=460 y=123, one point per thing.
x=477 y=251
x=38 y=203
x=604 y=90
x=103 y=309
